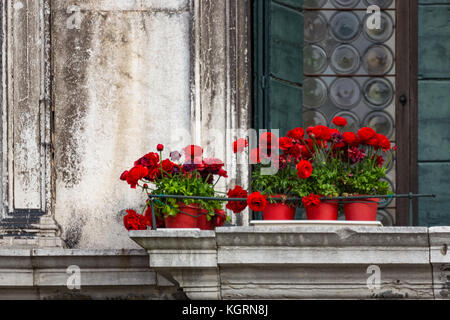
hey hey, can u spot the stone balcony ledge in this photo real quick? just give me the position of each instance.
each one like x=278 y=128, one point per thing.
x=303 y=262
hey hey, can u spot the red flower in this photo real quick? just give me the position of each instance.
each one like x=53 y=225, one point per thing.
x=383 y=142
x=254 y=156
x=296 y=134
x=256 y=201
x=123 y=176
x=340 y=121
x=213 y=165
x=237 y=206
x=193 y=154
x=285 y=143
x=134 y=221
x=394 y=148
x=150 y=160
x=366 y=134
x=311 y=201
x=296 y=150
x=135 y=174
x=380 y=161
x=219 y=218
x=304 y=169
x=160 y=147
x=168 y=166
x=266 y=138
x=223 y=173
x=321 y=132
x=350 y=138
x=239 y=145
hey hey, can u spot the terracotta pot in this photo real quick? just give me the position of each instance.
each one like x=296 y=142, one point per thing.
x=327 y=210
x=361 y=209
x=202 y=220
x=278 y=211
x=182 y=220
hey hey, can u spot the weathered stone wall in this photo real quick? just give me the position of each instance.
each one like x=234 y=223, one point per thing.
x=120 y=86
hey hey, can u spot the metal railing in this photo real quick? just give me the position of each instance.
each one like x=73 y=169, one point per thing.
x=340 y=199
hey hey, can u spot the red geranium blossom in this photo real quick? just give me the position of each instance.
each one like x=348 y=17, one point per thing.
x=193 y=154
x=304 y=169
x=366 y=134
x=340 y=121
x=167 y=166
x=285 y=143
x=239 y=145
x=321 y=132
x=135 y=174
x=237 y=206
x=123 y=176
x=266 y=140
x=383 y=142
x=160 y=147
x=134 y=221
x=254 y=156
x=311 y=201
x=297 y=133
x=350 y=138
x=256 y=201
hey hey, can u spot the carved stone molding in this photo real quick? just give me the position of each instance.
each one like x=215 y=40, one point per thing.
x=298 y=262
x=26 y=189
x=220 y=81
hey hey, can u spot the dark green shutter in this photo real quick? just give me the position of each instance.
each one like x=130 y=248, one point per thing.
x=278 y=34
x=278 y=66
x=434 y=111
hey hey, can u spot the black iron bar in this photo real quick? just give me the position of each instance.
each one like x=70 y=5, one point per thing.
x=409 y=196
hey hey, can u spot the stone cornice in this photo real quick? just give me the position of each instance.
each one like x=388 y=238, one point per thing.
x=298 y=262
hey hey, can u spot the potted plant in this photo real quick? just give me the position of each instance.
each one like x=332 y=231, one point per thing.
x=318 y=172
x=273 y=178
x=363 y=171
x=193 y=177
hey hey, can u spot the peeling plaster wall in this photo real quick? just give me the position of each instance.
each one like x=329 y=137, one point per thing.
x=120 y=86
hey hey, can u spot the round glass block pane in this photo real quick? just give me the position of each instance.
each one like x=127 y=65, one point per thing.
x=384 y=32
x=345 y=93
x=344 y=3
x=345 y=59
x=378 y=60
x=315 y=26
x=314 y=92
x=352 y=120
x=313 y=118
x=314 y=59
x=381 y=122
x=385 y=218
x=313 y=3
x=380 y=3
x=378 y=92
x=344 y=26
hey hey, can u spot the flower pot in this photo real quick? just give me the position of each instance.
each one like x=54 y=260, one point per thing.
x=186 y=218
x=278 y=211
x=326 y=210
x=361 y=209
x=202 y=220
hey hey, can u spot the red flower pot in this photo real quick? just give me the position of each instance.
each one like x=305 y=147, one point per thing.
x=278 y=211
x=182 y=220
x=202 y=220
x=361 y=209
x=326 y=210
